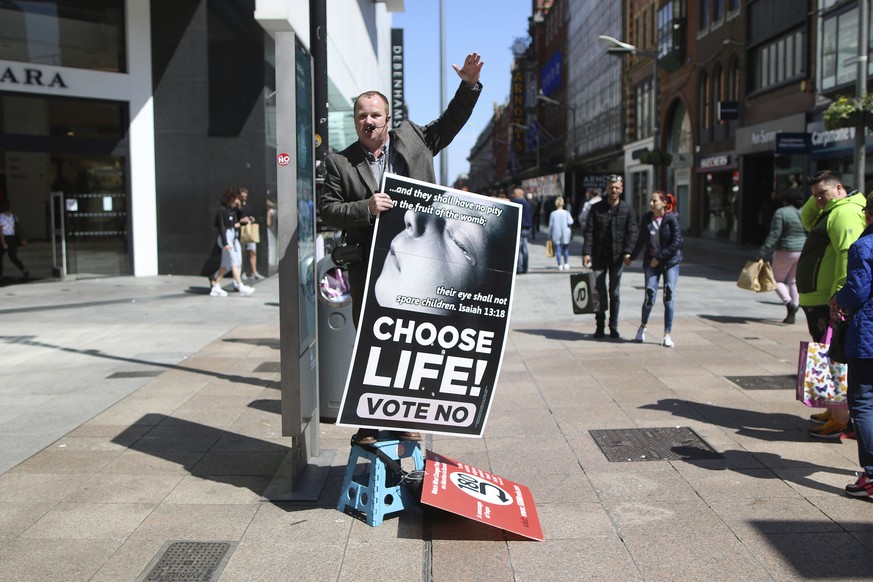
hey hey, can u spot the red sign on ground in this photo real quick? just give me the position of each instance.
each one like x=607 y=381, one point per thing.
x=480 y=496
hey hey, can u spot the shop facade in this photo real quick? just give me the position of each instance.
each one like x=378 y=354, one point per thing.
x=77 y=135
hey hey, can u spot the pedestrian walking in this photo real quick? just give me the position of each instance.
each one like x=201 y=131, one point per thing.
x=785 y=241
x=610 y=236
x=560 y=234
x=11 y=238
x=660 y=235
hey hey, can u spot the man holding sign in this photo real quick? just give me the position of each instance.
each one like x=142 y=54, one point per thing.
x=351 y=199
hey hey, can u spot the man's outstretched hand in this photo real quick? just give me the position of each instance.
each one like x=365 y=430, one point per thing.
x=469 y=73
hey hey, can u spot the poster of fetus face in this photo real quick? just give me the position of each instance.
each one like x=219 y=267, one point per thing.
x=436 y=309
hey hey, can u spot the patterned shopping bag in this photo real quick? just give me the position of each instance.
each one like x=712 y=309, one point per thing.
x=820 y=382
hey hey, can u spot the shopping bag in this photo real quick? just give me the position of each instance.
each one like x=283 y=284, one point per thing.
x=749 y=276
x=250 y=233
x=583 y=289
x=766 y=279
x=820 y=381
x=550 y=248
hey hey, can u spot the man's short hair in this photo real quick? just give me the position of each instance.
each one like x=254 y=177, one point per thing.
x=612 y=178
x=824 y=177
x=869 y=207
x=372 y=94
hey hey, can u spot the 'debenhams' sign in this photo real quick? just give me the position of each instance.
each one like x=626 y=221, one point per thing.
x=31 y=76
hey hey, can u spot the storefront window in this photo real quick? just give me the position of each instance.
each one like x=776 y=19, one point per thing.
x=63 y=165
x=721 y=195
x=84 y=34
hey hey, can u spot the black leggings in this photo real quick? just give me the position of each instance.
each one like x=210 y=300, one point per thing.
x=12 y=251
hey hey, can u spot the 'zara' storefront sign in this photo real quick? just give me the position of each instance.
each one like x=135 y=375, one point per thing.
x=39 y=79
x=28 y=75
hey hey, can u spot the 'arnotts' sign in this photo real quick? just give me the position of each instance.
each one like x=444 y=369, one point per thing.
x=30 y=76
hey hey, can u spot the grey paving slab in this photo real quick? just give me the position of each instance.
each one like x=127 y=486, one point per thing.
x=187 y=454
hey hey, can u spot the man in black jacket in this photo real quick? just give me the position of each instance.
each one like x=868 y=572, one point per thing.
x=610 y=234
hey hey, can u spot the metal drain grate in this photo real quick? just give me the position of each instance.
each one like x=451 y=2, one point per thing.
x=189 y=561
x=652 y=444
x=786 y=382
x=135 y=374
x=268 y=368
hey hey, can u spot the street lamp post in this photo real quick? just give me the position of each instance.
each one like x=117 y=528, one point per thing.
x=570 y=155
x=617 y=47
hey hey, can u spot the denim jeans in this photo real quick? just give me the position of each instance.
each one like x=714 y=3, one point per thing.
x=860 y=395
x=522 y=251
x=612 y=301
x=671 y=276
x=562 y=253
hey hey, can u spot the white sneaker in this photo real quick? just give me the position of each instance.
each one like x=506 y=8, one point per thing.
x=217 y=291
x=641 y=334
x=668 y=341
x=246 y=290
x=245 y=277
x=257 y=277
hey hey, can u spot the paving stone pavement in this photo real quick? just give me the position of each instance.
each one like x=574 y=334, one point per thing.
x=133 y=415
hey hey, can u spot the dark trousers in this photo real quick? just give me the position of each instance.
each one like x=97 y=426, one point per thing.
x=610 y=300
x=12 y=251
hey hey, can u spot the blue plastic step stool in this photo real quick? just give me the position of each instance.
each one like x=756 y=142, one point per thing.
x=380 y=491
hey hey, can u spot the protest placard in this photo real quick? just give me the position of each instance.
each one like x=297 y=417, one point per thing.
x=479 y=495
x=438 y=296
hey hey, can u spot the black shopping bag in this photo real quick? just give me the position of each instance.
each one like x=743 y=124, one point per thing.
x=583 y=288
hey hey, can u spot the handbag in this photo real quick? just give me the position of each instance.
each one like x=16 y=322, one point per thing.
x=766 y=279
x=821 y=381
x=550 y=248
x=583 y=292
x=250 y=233
x=749 y=276
x=837 y=349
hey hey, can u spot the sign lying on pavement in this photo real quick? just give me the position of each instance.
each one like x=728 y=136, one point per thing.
x=433 y=326
x=481 y=496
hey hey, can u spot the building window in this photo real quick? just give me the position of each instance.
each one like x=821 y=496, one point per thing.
x=717 y=91
x=733 y=88
x=839 y=44
x=733 y=5
x=703 y=15
x=704 y=102
x=85 y=34
x=643 y=127
x=717 y=10
x=670 y=18
x=779 y=61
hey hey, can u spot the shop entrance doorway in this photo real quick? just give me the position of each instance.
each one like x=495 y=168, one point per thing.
x=63 y=168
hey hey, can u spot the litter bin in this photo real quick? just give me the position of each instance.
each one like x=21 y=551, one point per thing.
x=336 y=336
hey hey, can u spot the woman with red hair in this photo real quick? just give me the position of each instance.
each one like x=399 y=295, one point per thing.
x=661 y=236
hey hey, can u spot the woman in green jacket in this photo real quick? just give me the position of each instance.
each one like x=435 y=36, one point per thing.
x=785 y=240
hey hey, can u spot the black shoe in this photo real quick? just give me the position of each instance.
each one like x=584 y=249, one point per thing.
x=792 y=309
x=365 y=436
x=598 y=333
x=613 y=333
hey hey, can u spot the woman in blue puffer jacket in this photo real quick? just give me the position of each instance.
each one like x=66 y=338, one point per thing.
x=661 y=236
x=853 y=301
